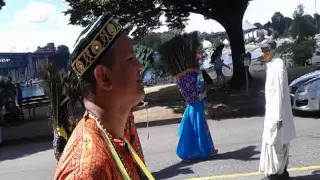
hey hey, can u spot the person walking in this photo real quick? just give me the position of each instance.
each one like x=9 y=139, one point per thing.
x=279 y=128
x=218 y=65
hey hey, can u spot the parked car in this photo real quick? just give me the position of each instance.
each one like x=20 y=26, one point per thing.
x=305 y=92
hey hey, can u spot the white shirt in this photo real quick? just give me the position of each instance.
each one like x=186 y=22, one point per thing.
x=278 y=105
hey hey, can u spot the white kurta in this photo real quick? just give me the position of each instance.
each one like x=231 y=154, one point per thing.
x=275 y=143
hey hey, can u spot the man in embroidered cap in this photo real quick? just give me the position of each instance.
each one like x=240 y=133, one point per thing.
x=279 y=127
x=104 y=61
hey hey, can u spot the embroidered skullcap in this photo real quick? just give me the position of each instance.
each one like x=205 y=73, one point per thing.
x=95 y=40
x=268 y=44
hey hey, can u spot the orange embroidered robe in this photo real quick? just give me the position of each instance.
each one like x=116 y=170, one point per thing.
x=132 y=136
x=86 y=156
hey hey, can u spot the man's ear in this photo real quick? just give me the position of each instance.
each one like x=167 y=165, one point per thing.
x=101 y=74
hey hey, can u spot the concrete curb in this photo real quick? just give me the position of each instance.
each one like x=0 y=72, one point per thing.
x=141 y=122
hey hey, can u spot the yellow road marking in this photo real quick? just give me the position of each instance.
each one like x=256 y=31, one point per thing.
x=307 y=168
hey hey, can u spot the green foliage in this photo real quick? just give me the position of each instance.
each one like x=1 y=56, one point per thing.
x=160 y=67
x=258 y=25
x=146 y=14
x=316 y=21
x=302 y=51
x=279 y=23
x=151 y=40
x=144 y=55
x=298 y=12
x=155 y=40
x=7 y=90
x=53 y=88
x=62 y=56
x=60 y=85
x=303 y=24
x=275 y=34
x=2 y=3
x=284 y=48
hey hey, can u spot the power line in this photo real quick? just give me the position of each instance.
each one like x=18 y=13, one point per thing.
x=303 y=2
x=309 y=2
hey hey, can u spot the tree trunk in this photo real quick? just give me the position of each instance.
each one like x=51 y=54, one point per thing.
x=235 y=34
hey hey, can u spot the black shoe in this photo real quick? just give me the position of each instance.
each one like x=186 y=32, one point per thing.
x=272 y=177
x=285 y=175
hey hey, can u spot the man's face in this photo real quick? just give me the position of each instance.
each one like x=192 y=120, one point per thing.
x=267 y=54
x=124 y=78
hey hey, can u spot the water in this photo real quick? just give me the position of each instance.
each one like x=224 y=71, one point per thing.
x=34 y=90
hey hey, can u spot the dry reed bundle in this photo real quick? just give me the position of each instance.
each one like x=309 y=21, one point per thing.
x=180 y=52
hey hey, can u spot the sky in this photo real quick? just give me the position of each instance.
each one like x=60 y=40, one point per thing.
x=27 y=24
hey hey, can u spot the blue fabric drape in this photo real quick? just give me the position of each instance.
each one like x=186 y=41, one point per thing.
x=195 y=139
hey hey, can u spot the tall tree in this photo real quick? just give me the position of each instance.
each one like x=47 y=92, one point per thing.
x=287 y=23
x=258 y=25
x=2 y=3
x=62 y=56
x=277 y=22
x=316 y=21
x=146 y=16
x=303 y=24
x=151 y=40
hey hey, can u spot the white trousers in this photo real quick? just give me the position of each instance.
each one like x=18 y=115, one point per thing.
x=274 y=158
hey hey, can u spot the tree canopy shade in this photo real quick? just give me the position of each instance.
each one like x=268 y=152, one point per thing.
x=145 y=14
x=62 y=56
x=2 y=3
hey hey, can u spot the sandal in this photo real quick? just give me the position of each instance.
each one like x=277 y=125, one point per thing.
x=215 y=152
x=186 y=161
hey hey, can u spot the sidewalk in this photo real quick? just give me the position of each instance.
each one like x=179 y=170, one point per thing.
x=165 y=106
x=30 y=131
x=42 y=129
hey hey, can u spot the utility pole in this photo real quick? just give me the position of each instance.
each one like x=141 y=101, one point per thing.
x=315 y=12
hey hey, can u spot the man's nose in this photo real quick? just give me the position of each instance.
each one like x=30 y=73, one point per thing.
x=140 y=66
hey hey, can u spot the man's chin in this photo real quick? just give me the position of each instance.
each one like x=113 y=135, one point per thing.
x=142 y=95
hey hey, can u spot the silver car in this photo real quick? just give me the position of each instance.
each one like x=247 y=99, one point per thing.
x=305 y=92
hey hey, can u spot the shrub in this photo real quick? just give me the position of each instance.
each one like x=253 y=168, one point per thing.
x=302 y=51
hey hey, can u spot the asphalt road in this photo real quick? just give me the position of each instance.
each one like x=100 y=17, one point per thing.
x=238 y=141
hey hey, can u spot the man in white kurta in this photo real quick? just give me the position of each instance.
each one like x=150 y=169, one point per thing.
x=279 y=128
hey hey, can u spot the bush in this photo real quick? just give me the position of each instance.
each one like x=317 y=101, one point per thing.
x=285 y=47
x=275 y=34
x=302 y=51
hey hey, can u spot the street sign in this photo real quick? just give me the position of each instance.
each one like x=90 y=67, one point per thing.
x=247 y=59
x=247 y=62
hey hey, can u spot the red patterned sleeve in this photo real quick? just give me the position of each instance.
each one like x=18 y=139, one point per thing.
x=84 y=159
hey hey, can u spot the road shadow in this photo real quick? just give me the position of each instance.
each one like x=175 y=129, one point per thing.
x=316 y=172
x=174 y=170
x=243 y=154
x=168 y=97
x=24 y=149
x=304 y=114
x=226 y=105
x=27 y=140
x=221 y=105
x=162 y=122
x=307 y=177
